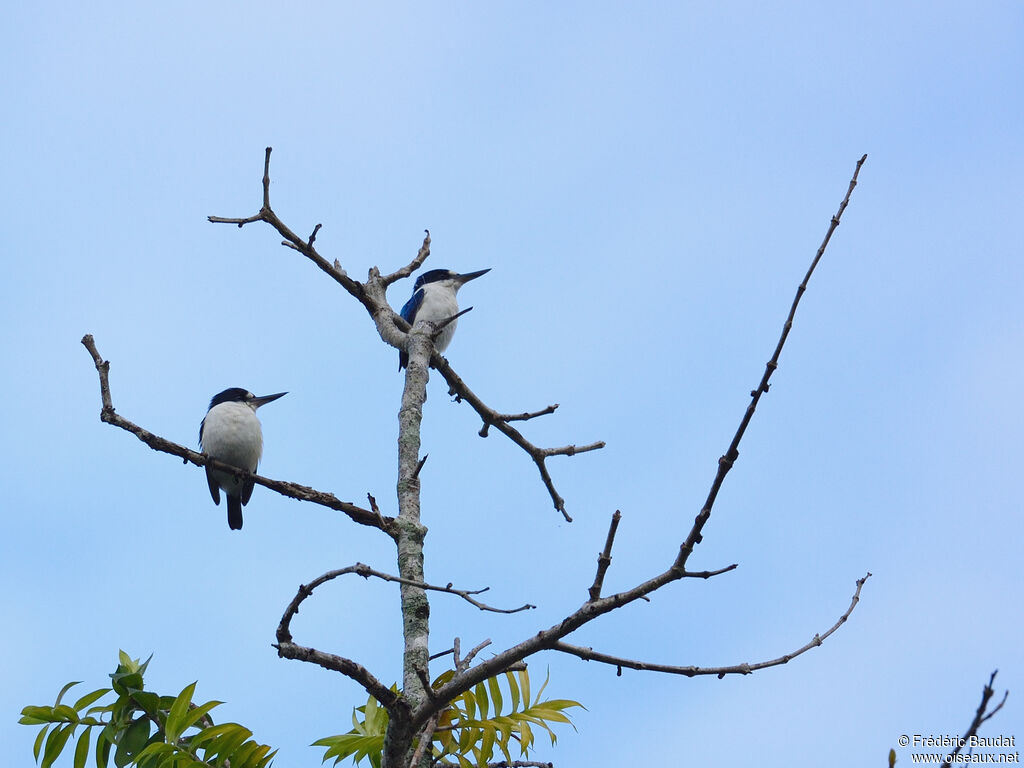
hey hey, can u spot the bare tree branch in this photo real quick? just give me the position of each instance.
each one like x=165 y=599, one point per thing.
x=393 y=329
x=359 y=569
x=726 y=462
x=347 y=667
x=980 y=716
x=415 y=709
x=527 y=416
x=551 y=638
x=605 y=558
x=157 y=443
x=305 y=247
x=413 y=265
x=464 y=663
x=426 y=737
x=458 y=388
x=589 y=654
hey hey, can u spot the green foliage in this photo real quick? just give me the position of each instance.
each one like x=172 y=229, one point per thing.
x=470 y=732
x=141 y=728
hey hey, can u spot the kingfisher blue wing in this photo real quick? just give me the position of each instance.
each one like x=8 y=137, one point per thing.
x=409 y=310
x=412 y=306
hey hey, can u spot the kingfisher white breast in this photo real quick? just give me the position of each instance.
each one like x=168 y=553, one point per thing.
x=439 y=303
x=232 y=434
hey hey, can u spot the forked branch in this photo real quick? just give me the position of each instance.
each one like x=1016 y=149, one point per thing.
x=553 y=637
x=393 y=329
x=980 y=716
x=359 y=569
x=589 y=654
x=461 y=391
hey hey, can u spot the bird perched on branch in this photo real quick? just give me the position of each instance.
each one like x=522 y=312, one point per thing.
x=433 y=299
x=231 y=433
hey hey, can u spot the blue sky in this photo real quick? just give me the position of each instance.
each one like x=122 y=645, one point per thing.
x=648 y=183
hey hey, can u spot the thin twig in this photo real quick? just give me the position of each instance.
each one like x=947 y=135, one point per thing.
x=425 y=738
x=980 y=716
x=527 y=416
x=726 y=462
x=459 y=389
x=589 y=654
x=464 y=663
x=157 y=443
x=305 y=590
x=412 y=266
x=293 y=241
x=604 y=559
x=507 y=417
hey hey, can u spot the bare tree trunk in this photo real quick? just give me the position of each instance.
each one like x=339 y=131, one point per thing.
x=398 y=744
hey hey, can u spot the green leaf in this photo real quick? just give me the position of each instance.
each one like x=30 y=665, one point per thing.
x=495 y=689
x=486 y=744
x=147 y=701
x=260 y=755
x=207 y=735
x=443 y=678
x=37 y=715
x=240 y=758
x=102 y=749
x=55 y=744
x=135 y=738
x=370 y=715
x=525 y=737
x=226 y=744
x=514 y=689
x=524 y=686
x=64 y=690
x=65 y=713
x=480 y=693
x=39 y=742
x=125 y=683
x=506 y=736
x=155 y=753
x=175 y=724
x=193 y=716
x=82 y=748
x=470 y=704
x=89 y=698
x=353 y=745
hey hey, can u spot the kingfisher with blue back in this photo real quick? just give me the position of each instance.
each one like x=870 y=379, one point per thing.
x=434 y=300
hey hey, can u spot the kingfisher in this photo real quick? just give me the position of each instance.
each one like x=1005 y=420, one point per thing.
x=230 y=432
x=433 y=299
